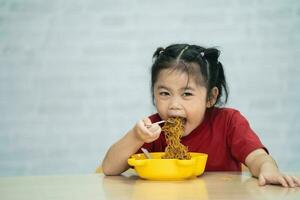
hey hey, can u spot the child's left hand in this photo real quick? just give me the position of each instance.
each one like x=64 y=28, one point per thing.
x=263 y=166
x=275 y=177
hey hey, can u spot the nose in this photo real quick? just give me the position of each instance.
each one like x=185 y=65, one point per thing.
x=175 y=104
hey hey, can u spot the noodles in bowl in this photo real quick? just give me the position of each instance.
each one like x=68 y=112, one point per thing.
x=176 y=163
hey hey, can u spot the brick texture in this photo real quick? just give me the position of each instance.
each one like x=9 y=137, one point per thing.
x=74 y=74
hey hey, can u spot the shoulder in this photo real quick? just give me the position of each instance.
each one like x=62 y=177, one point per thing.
x=224 y=110
x=225 y=114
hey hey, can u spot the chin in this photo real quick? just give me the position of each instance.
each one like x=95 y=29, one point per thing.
x=186 y=133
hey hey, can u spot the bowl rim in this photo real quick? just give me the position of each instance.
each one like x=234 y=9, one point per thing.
x=193 y=154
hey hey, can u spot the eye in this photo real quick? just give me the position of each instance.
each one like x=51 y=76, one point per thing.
x=187 y=94
x=164 y=94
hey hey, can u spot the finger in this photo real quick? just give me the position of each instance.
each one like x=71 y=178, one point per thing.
x=261 y=180
x=155 y=131
x=289 y=180
x=147 y=121
x=141 y=124
x=156 y=136
x=144 y=124
x=149 y=136
x=296 y=181
x=143 y=130
x=154 y=128
x=282 y=181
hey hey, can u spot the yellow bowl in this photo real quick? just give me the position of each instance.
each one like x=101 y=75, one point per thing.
x=168 y=169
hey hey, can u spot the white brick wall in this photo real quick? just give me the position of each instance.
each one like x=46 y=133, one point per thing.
x=74 y=75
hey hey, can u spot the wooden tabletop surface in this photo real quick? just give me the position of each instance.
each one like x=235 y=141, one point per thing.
x=211 y=185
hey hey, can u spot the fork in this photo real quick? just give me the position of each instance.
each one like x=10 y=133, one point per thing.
x=160 y=122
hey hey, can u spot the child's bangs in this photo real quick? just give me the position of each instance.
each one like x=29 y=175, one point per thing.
x=192 y=69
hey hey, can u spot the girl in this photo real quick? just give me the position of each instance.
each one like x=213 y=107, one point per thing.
x=188 y=81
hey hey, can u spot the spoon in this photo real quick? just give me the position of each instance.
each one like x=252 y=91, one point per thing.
x=146 y=152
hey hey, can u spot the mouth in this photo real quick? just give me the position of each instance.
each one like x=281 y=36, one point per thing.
x=183 y=119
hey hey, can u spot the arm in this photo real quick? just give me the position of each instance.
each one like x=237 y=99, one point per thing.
x=263 y=167
x=115 y=161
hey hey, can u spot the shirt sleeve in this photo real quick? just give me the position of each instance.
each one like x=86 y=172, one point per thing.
x=242 y=139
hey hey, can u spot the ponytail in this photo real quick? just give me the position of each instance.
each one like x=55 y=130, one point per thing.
x=216 y=77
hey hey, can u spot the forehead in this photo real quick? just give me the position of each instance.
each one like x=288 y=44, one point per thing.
x=175 y=78
x=188 y=72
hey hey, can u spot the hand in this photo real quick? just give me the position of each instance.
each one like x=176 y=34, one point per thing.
x=146 y=131
x=273 y=176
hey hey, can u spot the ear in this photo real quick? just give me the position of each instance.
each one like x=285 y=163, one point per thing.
x=212 y=98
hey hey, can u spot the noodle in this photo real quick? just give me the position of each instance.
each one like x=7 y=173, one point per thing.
x=173 y=129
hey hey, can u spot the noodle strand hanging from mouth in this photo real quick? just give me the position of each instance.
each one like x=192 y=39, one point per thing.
x=173 y=129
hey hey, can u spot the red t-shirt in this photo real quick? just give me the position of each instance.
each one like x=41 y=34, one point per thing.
x=224 y=134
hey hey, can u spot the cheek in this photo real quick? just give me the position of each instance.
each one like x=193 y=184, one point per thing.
x=162 y=108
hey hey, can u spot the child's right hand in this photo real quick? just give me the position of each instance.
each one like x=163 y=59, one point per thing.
x=145 y=131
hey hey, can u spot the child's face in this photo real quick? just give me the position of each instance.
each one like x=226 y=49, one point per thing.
x=176 y=94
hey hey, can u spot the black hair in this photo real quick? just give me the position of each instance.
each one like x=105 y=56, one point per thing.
x=182 y=56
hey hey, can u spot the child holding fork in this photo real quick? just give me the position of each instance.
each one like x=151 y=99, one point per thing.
x=188 y=81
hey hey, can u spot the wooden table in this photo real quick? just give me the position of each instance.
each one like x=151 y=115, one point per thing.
x=214 y=185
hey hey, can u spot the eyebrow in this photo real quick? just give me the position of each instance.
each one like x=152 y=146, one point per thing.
x=188 y=88
x=162 y=87
x=184 y=88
